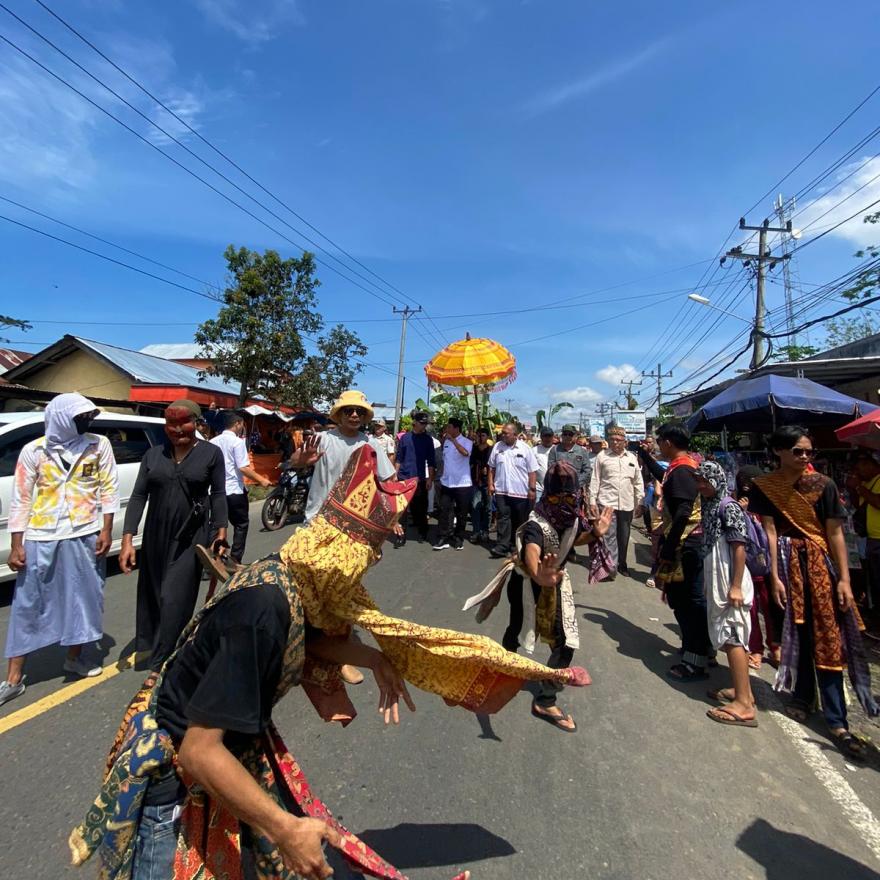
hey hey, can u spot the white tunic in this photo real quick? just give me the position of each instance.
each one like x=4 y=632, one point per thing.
x=727 y=625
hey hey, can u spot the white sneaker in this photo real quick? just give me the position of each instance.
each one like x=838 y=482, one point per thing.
x=10 y=691
x=81 y=668
x=650 y=583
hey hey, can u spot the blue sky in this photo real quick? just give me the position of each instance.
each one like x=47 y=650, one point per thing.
x=481 y=157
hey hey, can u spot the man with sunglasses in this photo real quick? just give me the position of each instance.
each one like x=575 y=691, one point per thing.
x=330 y=451
x=577 y=456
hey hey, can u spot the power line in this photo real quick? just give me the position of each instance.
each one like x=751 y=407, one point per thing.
x=183 y=167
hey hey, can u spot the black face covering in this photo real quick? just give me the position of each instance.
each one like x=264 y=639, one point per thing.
x=83 y=421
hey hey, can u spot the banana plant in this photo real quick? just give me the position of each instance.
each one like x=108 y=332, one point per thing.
x=541 y=417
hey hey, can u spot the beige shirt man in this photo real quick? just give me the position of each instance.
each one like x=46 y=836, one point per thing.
x=616 y=480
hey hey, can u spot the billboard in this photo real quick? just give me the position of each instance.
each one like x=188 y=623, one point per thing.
x=633 y=422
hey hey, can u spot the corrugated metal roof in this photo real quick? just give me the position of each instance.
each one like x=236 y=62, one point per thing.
x=173 y=350
x=150 y=370
x=10 y=358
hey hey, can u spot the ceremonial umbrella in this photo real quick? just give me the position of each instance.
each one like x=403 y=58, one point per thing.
x=863 y=432
x=482 y=363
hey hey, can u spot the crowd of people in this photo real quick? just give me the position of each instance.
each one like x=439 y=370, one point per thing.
x=759 y=564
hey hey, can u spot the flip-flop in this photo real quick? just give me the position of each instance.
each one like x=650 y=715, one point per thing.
x=720 y=697
x=555 y=720
x=732 y=719
x=755 y=663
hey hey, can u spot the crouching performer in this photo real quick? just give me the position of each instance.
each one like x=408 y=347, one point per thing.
x=199 y=783
x=543 y=605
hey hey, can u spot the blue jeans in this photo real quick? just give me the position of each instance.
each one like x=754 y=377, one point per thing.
x=156 y=844
x=480 y=510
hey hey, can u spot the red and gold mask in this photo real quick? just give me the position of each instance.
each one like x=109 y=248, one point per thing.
x=180 y=425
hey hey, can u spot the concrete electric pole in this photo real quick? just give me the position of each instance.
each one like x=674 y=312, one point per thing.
x=760 y=260
x=659 y=376
x=407 y=313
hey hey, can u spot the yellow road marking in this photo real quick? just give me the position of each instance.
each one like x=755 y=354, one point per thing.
x=64 y=694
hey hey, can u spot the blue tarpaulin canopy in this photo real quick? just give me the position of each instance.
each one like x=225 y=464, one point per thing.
x=765 y=402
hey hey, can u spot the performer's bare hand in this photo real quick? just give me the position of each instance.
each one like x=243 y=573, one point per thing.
x=17 y=559
x=391 y=688
x=307 y=454
x=300 y=845
x=127 y=556
x=777 y=589
x=845 y=595
x=603 y=522
x=548 y=573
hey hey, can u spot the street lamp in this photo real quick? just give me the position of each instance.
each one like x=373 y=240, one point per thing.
x=704 y=301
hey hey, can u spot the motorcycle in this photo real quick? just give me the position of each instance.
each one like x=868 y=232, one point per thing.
x=288 y=498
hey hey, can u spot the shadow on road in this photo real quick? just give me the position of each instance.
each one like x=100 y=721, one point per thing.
x=784 y=855
x=409 y=845
x=486 y=728
x=655 y=653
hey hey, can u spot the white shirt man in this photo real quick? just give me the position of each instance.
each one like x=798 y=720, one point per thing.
x=513 y=471
x=456 y=487
x=542 y=451
x=616 y=482
x=383 y=438
x=238 y=466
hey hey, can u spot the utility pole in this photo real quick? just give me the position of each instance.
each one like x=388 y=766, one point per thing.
x=659 y=376
x=627 y=395
x=760 y=260
x=784 y=210
x=605 y=408
x=407 y=313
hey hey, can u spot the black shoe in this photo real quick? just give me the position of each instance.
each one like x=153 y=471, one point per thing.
x=457 y=544
x=475 y=538
x=441 y=544
x=498 y=552
x=623 y=570
x=423 y=536
x=399 y=541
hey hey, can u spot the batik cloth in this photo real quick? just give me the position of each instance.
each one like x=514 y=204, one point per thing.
x=804 y=563
x=210 y=841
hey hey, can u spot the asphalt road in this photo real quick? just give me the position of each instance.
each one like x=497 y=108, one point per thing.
x=648 y=788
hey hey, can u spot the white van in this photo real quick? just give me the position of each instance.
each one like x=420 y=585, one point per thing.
x=130 y=437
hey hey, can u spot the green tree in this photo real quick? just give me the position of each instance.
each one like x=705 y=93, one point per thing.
x=858 y=324
x=541 y=417
x=258 y=338
x=794 y=352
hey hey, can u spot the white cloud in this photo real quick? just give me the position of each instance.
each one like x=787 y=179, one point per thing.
x=49 y=135
x=556 y=97
x=862 y=189
x=614 y=375
x=583 y=395
x=255 y=21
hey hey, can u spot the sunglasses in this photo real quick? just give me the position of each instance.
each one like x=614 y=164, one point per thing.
x=568 y=433
x=800 y=452
x=356 y=410
x=564 y=498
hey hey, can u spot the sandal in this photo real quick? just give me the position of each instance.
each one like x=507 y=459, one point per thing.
x=560 y=722
x=797 y=710
x=849 y=745
x=686 y=672
x=755 y=660
x=723 y=715
x=723 y=695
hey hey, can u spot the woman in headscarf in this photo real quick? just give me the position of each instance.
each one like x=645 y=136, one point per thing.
x=803 y=517
x=729 y=591
x=199 y=782
x=64 y=494
x=545 y=607
x=176 y=480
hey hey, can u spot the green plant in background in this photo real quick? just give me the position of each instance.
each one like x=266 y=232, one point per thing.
x=445 y=405
x=541 y=417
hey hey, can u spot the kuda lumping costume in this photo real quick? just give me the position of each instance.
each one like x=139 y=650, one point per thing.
x=319 y=571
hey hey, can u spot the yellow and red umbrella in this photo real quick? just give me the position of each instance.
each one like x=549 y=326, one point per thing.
x=479 y=362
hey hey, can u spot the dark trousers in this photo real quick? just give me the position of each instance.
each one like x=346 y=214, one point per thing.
x=454 y=502
x=764 y=606
x=872 y=585
x=560 y=654
x=512 y=513
x=480 y=510
x=830 y=681
x=418 y=508
x=688 y=603
x=239 y=520
x=623 y=522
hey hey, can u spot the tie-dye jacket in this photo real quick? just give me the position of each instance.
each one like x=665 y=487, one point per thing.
x=43 y=491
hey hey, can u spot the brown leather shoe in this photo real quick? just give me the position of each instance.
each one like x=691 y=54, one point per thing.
x=351 y=674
